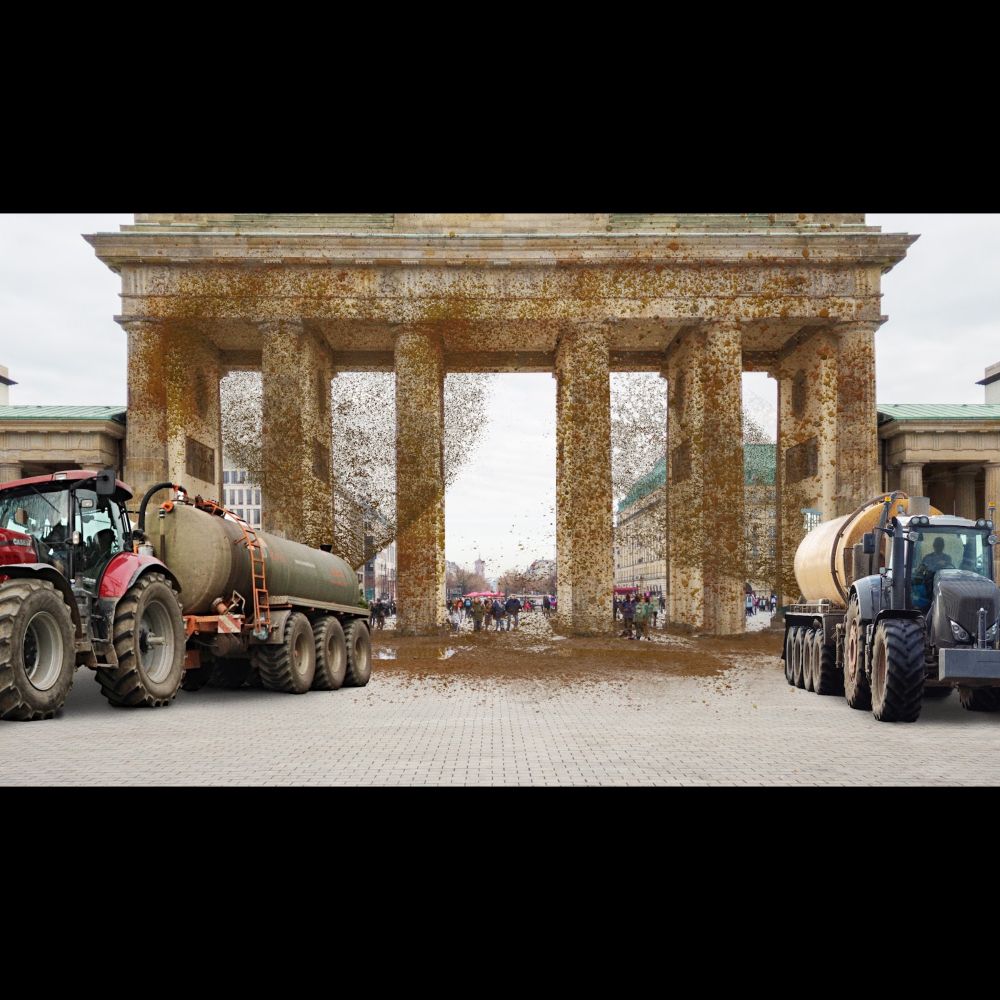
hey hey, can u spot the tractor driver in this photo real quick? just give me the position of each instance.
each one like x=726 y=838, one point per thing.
x=938 y=559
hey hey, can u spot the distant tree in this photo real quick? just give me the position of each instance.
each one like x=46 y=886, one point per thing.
x=515 y=581
x=465 y=580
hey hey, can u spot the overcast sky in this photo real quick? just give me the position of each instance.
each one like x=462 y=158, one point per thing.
x=59 y=340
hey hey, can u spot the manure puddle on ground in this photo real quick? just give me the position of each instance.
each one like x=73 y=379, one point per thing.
x=505 y=656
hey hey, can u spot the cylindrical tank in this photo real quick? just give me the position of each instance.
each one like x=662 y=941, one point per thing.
x=209 y=555
x=819 y=560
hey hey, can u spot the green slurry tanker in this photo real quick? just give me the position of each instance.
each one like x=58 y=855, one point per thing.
x=195 y=597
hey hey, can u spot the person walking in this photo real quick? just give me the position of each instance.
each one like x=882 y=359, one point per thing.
x=774 y=602
x=498 y=614
x=467 y=604
x=478 y=614
x=513 y=608
x=546 y=605
x=747 y=605
x=628 y=616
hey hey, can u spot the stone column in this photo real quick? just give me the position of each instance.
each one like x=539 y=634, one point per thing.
x=297 y=437
x=705 y=481
x=146 y=427
x=420 y=560
x=9 y=471
x=993 y=497
x=965 y=493
x=806 y=450
x=584 y=545
x=857 y=418
x=911 y=479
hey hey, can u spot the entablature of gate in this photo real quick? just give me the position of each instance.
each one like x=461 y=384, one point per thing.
x=920 y=443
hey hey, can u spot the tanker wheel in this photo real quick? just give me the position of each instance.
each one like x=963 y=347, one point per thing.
x=799 y=664
x=856 y=689
x=898 y=671
x=359 y=655
x=37 y=650
x=230 y=673
x=936 y=693
x=979 y=699
x=291 y=666
x=827 y=678
x=790 y=656
x=331 y=654
x=149 y=641
x=808 y=642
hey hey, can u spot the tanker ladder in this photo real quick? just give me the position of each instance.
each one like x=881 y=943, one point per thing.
x=261 y=600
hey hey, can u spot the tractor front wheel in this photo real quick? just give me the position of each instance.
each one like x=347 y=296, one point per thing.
x=898 y=671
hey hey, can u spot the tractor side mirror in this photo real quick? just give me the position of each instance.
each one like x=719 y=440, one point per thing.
x=105 y=482
x=868 y=541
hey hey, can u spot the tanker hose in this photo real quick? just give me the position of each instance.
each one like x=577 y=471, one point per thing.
x=155 y=488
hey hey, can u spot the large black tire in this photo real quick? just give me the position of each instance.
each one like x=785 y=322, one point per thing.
x=827 y=676
x=291 y=666
x=230 y=673
x=799 y=665
x=331 y=654
x=808 y=644
x=37 y=650
x=979 y=699
x=359 y=655
x=790 y=657
x=149 y=641
x=898 y=671
x=857 y=691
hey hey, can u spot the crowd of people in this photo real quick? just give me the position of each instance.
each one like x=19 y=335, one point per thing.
x=503 y=613
x=754 y=603
x=637 y=615
x=380 y=609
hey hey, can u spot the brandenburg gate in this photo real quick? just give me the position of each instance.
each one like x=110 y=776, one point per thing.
x=698 y=298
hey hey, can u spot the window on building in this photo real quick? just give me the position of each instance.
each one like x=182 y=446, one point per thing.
x=256 y=497
x=225 y=477
x=239 y=512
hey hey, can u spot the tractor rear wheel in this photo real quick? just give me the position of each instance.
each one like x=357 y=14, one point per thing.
x=149 y=642
x=331 y=654
x=291 y=666
x=359 y=654
x=898 y=671
x=37 y=650
x=827 y=677
x=980 y=699
x=857 y=691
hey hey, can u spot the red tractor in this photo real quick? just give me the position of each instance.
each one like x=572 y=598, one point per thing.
x=74 y=592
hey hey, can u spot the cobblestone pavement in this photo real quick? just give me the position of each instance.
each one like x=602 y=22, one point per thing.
x=637 y=722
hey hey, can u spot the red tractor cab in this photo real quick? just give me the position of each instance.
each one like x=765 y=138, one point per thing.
x=73 y=591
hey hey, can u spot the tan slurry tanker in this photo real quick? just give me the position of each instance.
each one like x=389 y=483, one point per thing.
x=899 y=603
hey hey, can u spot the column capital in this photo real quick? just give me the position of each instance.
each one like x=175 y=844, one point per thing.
x=856 y=326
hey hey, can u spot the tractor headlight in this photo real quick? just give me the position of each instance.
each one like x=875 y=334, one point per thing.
x=958 y=632
x=991 y=632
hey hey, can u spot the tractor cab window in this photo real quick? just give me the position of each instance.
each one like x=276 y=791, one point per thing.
x=938 y=549
x=100 y=530
x=43 y=515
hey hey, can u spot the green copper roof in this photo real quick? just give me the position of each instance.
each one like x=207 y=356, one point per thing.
x=62 y=413
x=939 y=411
x=758 y=469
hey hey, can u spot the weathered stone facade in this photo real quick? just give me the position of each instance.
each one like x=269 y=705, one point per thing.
x=707 y=296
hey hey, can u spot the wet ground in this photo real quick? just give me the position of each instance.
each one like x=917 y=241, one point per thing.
x=526 y=708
